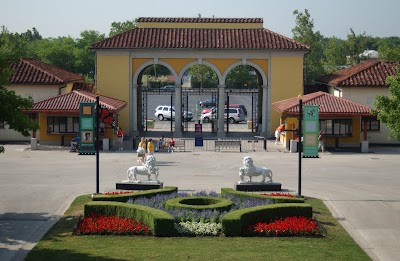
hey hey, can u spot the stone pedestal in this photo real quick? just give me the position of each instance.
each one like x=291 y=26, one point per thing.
x=34 y=144
x=254 y=186
x=138 y=185
x=364 y=146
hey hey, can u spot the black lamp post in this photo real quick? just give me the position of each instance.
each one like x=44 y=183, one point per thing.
x=300 y=142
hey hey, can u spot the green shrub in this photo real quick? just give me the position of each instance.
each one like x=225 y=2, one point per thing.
x=199 y=203
x=225 y=191
x=160 y=222
x=234 y=221
x=125 y=197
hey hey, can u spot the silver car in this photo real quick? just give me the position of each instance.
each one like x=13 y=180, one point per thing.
x=236 y=115
x=167 y=112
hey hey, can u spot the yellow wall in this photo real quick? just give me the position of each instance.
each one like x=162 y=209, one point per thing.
x=263 y=63
x=201 y=25
x=136 y=62
x=222 y=64
x=286 y=82
x=113 y=81
x=178 y=64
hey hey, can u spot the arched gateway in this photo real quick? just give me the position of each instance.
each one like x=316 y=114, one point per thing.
x=179 y=43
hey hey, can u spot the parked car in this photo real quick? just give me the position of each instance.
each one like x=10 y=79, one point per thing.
x=238 y=106
x=236 y=115
x=168 y=88
x=208 y=103
x=167 y=112
x=207 y=110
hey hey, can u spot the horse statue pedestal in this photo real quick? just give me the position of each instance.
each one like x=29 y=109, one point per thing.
x=250 y=171
x=133 y=183
x=257 y=186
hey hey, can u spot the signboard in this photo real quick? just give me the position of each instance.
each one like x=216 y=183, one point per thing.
x=310 y=131
x=87 y=116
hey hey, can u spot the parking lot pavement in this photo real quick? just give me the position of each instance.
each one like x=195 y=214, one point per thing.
x=361 y=190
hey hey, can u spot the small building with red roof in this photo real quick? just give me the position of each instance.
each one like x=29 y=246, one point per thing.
x=339 y=118
x=39 y=80
x=361 y=83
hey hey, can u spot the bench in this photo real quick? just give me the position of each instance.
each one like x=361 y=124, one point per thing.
x=179 y=144
x=228 y=144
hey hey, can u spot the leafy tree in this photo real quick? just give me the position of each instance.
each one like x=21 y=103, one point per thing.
x=387 y=108
x=202 y=74
x=241 y=76
x=355 y=45
x=335 y=57
x=389 y=53
x=304 y=33
x=85 y=58
x=120 y=27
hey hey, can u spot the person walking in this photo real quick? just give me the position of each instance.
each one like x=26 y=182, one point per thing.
x=141 y=150
x=150 y=147
x=171 y=145
x=278 y=132
x=320 y=142
x=120 y=138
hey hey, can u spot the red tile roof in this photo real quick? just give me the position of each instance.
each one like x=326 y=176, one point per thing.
x=198 y=20
x=69 y=103
x=329 y=106
x=30 y=71
x=199 y=38
x=368 y=73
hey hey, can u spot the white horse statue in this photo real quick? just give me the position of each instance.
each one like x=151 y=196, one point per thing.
x=250 y=170
x=148 y=169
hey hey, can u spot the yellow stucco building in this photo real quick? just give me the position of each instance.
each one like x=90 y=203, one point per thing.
x=179 y=43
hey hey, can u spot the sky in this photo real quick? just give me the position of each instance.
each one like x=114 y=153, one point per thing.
x=54 y=18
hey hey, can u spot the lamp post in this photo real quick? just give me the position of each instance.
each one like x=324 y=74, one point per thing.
x=97 y=142
x=300 y=141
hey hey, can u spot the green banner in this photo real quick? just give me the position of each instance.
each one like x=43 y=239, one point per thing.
x=310 y=130
x=87 y=118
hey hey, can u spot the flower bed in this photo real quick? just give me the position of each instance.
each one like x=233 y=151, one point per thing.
x=289 y=226
x=247 y=210
x=279 y=194
x=96 y=224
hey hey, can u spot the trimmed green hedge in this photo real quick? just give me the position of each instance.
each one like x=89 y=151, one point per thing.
x=134 y=195
x=225 y=191
x=199 y=203
x=160 y=222
x=233 y=222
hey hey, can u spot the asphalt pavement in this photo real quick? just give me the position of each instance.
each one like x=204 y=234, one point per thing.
x=361 y=190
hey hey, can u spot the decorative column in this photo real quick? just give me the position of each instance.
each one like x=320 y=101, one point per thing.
x=265 y=112
x=178 y=110
x=221 y=104
x=133 y=111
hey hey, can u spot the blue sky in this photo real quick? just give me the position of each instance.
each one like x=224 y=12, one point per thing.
x=53 y=18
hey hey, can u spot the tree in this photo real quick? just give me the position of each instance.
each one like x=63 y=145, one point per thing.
x=303 y=32
x=389 y=53
x=356 y=45
x=242 y=76
x=335 y=57
x=120 y=27
x=202 y=73
x=387 y=108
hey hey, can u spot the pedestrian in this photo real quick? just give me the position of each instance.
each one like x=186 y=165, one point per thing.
x=161 y=144
x=141 y=151
x=75 y=143
x=278 y=132
x=120 y=138
x=171 y=145
x=150 y=147
x=320 y=142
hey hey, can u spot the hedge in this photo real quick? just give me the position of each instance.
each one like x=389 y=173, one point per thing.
x=225 y=191
x=199 y=203
x=160 y=222
x=134 y=195
x=234 y=222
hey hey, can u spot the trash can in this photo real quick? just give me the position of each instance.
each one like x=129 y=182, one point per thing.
x=106 y=144
x=293 y=146
x=249 y=125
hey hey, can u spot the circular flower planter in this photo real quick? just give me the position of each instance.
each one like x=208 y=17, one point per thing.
x=200 y=203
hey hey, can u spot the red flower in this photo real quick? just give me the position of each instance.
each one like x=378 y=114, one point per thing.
x=279 y=194
x=96 y=224
x=290 y=226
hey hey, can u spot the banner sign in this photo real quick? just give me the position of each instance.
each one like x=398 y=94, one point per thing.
x=310 y=130
x=87 y=118
x=107 y=117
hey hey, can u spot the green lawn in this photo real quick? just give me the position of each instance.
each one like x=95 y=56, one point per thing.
x=59 y=244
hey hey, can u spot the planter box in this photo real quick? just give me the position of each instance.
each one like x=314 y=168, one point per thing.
x=150 y=124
